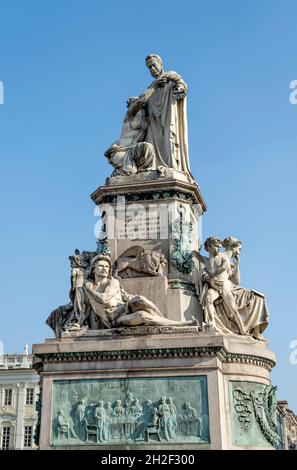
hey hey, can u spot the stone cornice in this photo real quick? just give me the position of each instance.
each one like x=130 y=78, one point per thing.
x=249 y=359
x=154 y=190
x=167 y=353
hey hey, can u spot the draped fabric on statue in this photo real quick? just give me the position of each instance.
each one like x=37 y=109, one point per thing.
x=167 y=126
x=251 y=307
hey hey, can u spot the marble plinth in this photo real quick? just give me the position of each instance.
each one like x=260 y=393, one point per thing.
x=141 y=214
x=160 y=388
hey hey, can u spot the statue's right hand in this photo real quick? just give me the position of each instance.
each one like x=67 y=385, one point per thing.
x=161 y=82
x=130 y=113
x=88 y=286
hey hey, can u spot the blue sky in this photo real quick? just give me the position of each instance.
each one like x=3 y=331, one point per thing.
x=67 y=69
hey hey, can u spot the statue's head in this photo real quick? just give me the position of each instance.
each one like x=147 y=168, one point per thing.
x=101 y=266
x=213 y=244
x=231 y=243
x=154 y=64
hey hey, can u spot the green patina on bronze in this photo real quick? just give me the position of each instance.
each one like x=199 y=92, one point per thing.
x=253 y=411
x=130 y=411
x=152 y=195
x=103 y=246
x=189 y=288
x=182 y=257
x=36 y=436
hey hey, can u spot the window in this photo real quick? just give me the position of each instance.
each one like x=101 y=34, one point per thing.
x=8 y=397
x=29 y=396
x=10 y=359
x=28 y=436
x=5 y=438
x=19 y=359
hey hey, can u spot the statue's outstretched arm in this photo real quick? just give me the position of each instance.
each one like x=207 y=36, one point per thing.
x=235 y=276
x=92 y=293
x=180 y=86
x=140 y=102
x=199 y=256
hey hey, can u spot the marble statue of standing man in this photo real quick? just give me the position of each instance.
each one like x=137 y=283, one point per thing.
x=167 y=128
x=167 y=120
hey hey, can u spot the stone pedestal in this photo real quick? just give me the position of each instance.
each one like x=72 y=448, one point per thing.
x=142 y=211
x=155 y=388
x=177 y=301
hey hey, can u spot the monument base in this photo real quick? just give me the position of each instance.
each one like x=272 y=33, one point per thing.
x=155 y=388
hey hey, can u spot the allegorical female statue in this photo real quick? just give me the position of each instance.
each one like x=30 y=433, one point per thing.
x=250 y=303
x=227 y=306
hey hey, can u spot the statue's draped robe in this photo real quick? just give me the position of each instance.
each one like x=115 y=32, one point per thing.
x=59 y=318
x=251 y=307
x=130 y=153
x=167 y=126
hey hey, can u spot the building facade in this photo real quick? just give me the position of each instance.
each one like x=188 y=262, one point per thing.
x=18 y=395
x=287 y=426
